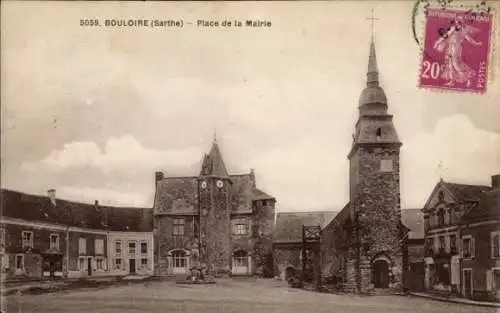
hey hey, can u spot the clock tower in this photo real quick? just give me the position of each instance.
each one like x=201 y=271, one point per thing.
x=214 y=190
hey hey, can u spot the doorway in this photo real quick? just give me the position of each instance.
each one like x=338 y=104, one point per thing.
x=89 y=266
x=380 y=274
x=289 y=273
x=131 y=265
x=468 y=283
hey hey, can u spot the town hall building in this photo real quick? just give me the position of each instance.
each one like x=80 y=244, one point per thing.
x=216 y=220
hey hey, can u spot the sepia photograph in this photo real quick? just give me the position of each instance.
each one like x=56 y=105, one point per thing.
x=250 y=156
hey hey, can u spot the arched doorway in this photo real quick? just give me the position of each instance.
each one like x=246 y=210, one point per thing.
x=289 y=272
x=240 y=263
x=179 y=262
x=380 y=273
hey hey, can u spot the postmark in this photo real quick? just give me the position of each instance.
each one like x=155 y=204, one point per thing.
x=456 y=48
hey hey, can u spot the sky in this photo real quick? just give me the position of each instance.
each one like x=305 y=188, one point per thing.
x=93 y=112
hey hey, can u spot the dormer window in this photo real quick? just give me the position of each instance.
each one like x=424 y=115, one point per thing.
x=379 y=133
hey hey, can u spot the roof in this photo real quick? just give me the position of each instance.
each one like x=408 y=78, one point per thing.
x=38 y=208
x=413 y=219
x=213 y=164
x=176 y=195
x=464 y=193
x=289 y=224
x=488 y=208
x=261 y=195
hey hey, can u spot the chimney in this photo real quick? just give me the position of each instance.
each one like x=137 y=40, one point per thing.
x=495 y=181
x=252 y=174
x=158 y=176
x=51 y=193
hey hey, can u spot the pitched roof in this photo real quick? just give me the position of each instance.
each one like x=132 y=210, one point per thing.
x=261 y=195
x=289 y=224
x=465 y=193
x=413 y=219
x=40 y=209
x=176 y=195
x=213 y=164
x=488 y=208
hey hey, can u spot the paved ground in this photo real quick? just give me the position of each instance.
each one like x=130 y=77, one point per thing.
x=237 y=295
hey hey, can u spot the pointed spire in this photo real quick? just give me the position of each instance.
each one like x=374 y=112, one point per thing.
x=213 y=164
x=372 y=73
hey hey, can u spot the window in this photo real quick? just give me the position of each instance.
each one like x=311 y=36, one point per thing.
x=495 y=245
x=2 y=237
x=429 y=243
x=82 y=246
x=20 y=262
x=179 y=258
x=240 y=259
x=386 y=165
x=118 y=264
x=442 y=243
x=379 y=133
x=178 y=227
x=27 y=239
x=144 y=263
x=81 y=263
x=131 y=247
x=144 y=247
x=453 y=243
x=100 y=264
x=54 y=241
x=240 y=227
x=426 y=223
x=99 y=246
x=440 y=217
x=118 y=246
x=467 y=247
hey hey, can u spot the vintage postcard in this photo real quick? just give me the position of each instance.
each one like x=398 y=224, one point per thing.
x=288 y=156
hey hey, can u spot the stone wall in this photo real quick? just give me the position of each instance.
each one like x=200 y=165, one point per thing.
x=285 y=257
x=263 y=231
x=379 y=213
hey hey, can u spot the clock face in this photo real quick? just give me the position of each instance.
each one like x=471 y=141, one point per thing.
x=203 y=184
x=220 y=183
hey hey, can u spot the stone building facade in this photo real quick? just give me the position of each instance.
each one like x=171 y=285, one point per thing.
x=462 y=240
x=480 y=253
x=369 y=232
x=215 y=220
x=288 y=241
x=46 y=236
x=443 y=211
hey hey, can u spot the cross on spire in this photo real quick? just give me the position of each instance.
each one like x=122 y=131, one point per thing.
x=441 y=169
x=372 y=19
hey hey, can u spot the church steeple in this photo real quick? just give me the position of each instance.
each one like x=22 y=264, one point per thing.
x=372 y=100
x=372 y=73
x=213 y=164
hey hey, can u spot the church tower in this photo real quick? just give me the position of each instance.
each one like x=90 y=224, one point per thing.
x=214 y=189
x=376 y=257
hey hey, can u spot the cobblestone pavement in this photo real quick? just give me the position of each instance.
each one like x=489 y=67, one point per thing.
x=228 y=295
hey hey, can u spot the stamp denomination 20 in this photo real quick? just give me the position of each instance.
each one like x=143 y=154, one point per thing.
x=456 y=50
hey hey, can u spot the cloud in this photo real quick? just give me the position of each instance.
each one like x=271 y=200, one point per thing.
x=467 y=154
x=309 y=174
x=119 y=154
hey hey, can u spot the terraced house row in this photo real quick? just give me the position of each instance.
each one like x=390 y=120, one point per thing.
x=46 y=236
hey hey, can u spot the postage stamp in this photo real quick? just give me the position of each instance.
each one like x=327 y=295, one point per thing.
x=456 y=50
